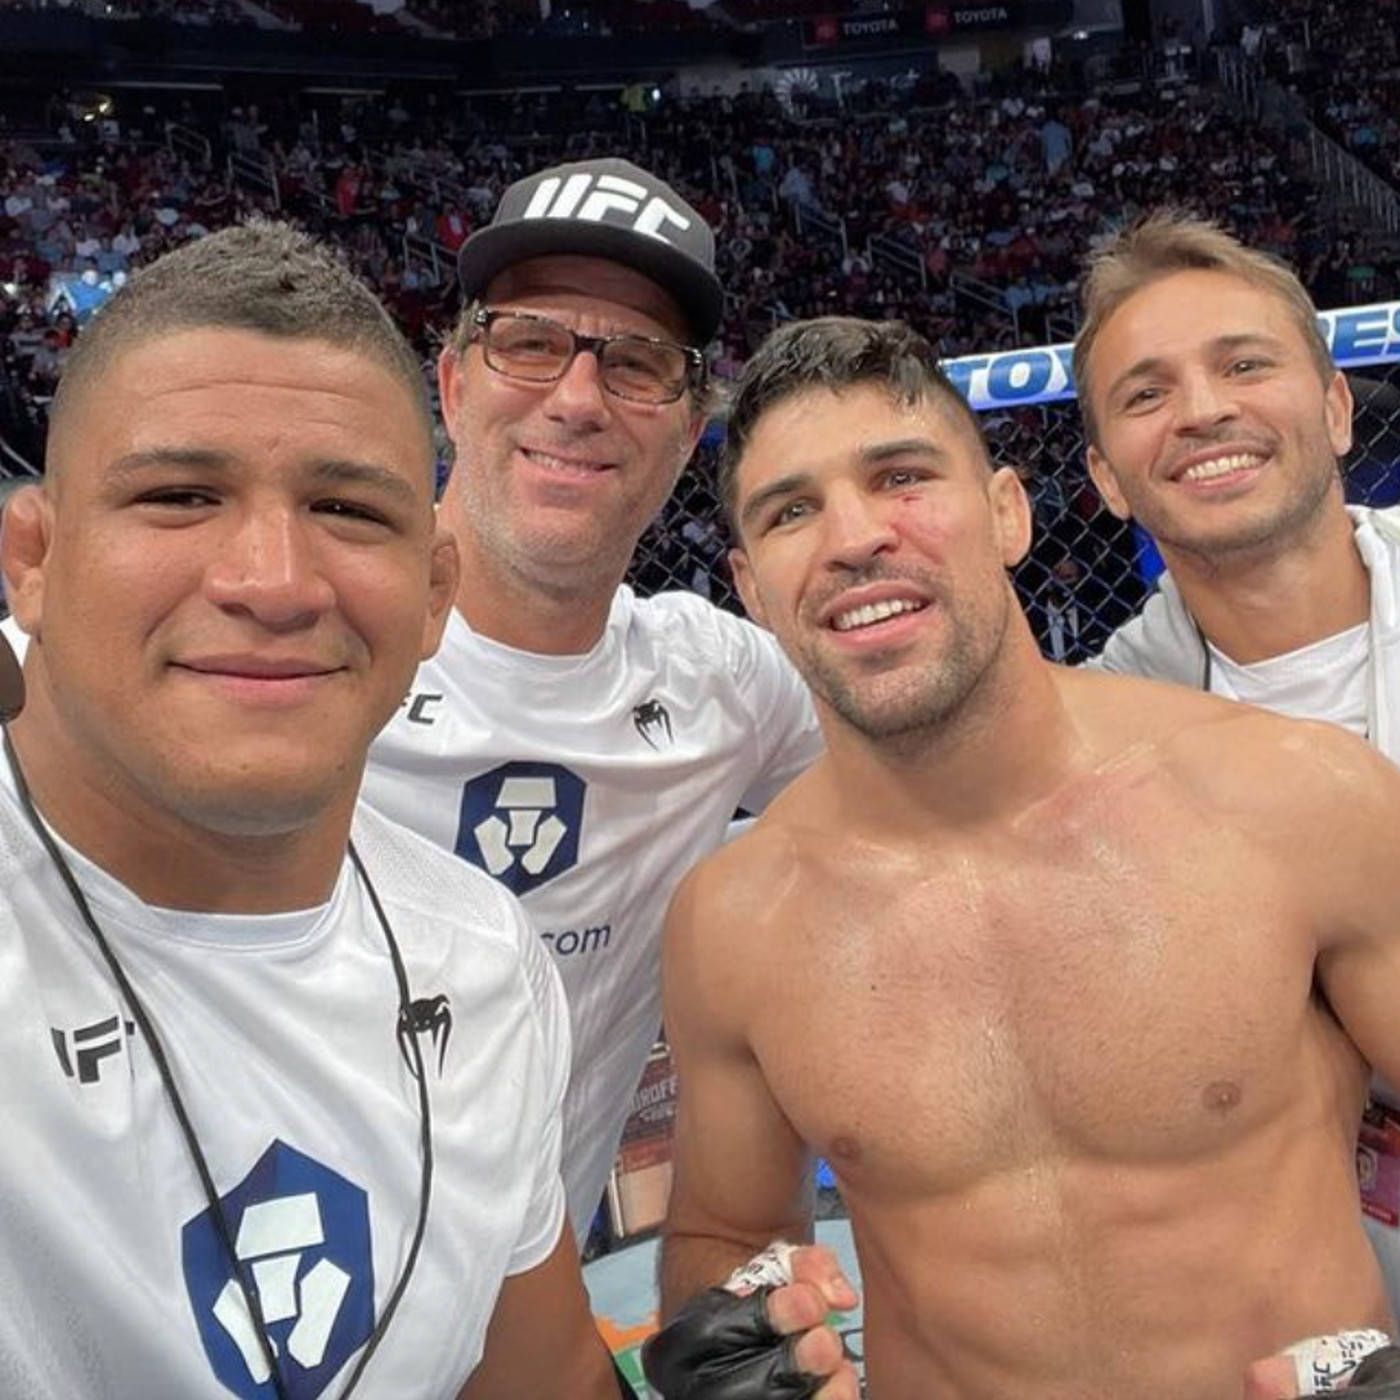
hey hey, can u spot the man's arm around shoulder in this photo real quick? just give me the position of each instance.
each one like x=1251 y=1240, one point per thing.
x=1325 y=806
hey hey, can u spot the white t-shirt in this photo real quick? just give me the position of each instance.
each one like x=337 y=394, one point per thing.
x=590 y=785
x=1323 y=680
x=282 y=1032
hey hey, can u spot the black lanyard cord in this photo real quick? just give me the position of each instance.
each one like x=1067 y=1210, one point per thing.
x=1208 y=665
x=187 y=1131
x=425 y=1127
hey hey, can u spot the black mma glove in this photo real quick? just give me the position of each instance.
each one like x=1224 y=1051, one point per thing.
x=721 y=1346
x=1378 y=1376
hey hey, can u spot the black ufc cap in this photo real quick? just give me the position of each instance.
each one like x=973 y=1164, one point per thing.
x=605 y=208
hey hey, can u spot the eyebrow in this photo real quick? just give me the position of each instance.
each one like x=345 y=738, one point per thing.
x=902 y=447
x=209 y=461
x=1223 y=344
x=783 y=486
x=342 y=471
x=194 y=458
x=870 y=456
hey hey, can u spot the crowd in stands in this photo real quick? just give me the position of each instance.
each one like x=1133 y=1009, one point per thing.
x=478 y=21
x=967 y=216
x=429 y=19
x=1343 y=56
x=205 y=13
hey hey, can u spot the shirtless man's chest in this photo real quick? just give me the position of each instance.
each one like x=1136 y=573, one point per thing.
x=1094 y=988
x=1068 y=1058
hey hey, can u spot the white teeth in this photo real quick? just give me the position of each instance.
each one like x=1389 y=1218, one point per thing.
x=874 y=612
x=1221 y=466
x=562 y=464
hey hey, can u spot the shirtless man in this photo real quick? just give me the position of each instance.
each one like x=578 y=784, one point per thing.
x=1075 y=979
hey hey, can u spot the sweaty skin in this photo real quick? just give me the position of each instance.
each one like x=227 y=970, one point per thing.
x=1078 y=1060
x=1073 y=979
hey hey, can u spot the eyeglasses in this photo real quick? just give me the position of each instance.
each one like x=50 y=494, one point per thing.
x=535 y=349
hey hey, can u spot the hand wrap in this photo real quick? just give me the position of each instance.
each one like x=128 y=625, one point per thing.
x=1344 y=1361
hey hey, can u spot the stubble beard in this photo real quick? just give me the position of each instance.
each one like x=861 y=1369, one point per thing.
x=1269 y=531
x=920 y=700
x=589 y=553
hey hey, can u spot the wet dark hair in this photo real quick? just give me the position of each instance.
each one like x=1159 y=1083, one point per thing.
x=832 y=352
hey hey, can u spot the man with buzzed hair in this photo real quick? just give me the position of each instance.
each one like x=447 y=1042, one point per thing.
x=1216 y=419
x=1074 y=979
x=283 y=1082
x=303 y=284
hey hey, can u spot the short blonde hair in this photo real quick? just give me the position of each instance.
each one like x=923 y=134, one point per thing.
x=1172 y=240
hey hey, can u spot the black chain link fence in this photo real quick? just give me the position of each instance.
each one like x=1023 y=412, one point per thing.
x=1086 y=573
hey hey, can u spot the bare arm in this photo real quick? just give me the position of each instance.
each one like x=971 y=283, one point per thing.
x=541 y=1344
x=742 y=1174
x=1356 y=827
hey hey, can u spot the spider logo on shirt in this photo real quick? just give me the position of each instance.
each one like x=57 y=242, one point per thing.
x=427 y=1016
x=652 y=720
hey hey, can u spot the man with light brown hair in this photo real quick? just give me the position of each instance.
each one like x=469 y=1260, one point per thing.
x=1215 y=418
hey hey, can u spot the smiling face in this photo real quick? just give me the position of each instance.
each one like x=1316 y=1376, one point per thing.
x=229 y=578
x=875 y=540
x=1215 y=430
x=554 y=483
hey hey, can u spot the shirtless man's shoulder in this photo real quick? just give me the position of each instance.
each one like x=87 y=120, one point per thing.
x=732 y=894
x=1235 y=760
x=1165 y=784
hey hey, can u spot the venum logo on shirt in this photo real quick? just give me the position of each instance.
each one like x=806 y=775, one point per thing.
x=430 y=1016
x=652 y=720
x=301 y=1232
x=521 y=823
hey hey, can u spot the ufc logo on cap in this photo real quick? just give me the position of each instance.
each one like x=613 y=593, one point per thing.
x=596 y=198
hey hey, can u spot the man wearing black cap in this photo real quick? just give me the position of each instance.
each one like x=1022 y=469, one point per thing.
x=580 y=744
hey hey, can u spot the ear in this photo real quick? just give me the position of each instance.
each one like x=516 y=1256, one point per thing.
x=444 y=568
x=1011 y=515
x=449 y=378
x=744 y=581
x=26 y=536
x=686 y=443
x=1101 y=474
x=1339 y=410
x=698 y=419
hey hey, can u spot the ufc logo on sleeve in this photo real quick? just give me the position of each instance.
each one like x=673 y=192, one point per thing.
x=604 y=199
